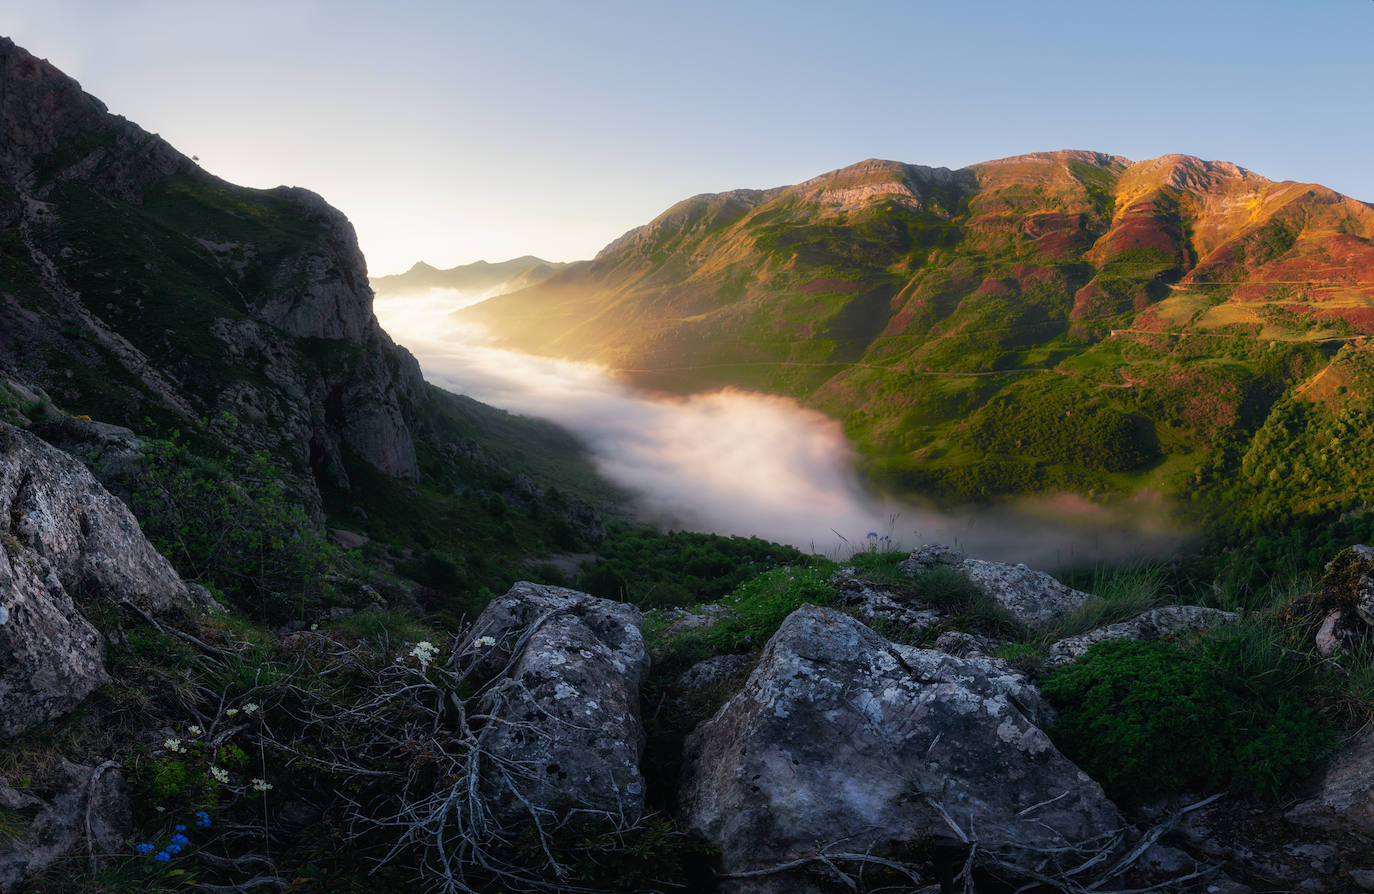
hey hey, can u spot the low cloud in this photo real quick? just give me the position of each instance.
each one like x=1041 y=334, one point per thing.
x=737 y=462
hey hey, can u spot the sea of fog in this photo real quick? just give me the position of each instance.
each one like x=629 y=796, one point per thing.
x=738 y=462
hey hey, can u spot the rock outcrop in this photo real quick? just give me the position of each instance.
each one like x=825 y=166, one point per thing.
x=1031 y=597
x=1344 y=797
x=280 y=332
x=844 y=743
x=1157 y=623
x=93 y=809
x=562 y=672
x=65 y=539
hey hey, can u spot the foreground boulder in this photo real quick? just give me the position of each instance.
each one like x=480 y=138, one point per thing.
x=1344 y=798
x=56 y=510
x=1031 y=597
x=65 y=539
x=93 y=809
x=844 y=743
x=1157 y=623
x=562 y=672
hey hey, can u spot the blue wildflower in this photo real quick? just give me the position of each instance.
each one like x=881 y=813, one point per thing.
x=202 y=819
x=145 y=848
x=873 y=534
x=180 y=828
x=178 y=839
x=173 y=848
x=162 y=856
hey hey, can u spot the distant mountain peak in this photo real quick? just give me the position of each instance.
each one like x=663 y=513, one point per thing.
x=478 y=277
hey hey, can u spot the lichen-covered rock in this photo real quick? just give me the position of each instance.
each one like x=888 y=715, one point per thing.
x=1031 y=597
x=930 y=556
x=63 y=538
x=875 y=604
x=562 y=672
x=1157 y=623
x=96 y=801
x=53 y=508
x=843 y=741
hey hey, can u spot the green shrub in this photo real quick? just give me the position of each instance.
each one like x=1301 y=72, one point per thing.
x=228 y=521
x=1156 y=719
x=656 y=570
x=763 y=603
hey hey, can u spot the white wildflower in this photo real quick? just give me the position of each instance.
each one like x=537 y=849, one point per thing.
x=483 y=642
x=250 y=708
x=174 y=746
x=220 y=775
x=424 y=652
x=231 y=712
x=261 y=785
x=193 y=730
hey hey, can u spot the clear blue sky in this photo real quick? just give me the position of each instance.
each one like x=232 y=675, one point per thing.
x=453 y=131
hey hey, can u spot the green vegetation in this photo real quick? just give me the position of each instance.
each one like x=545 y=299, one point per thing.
x=1156 y=719
x=230 y=524
x=657 y=570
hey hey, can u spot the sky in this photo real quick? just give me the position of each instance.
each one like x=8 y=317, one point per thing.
x=456 y=131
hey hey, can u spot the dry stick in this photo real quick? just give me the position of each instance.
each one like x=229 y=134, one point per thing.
x=90 y=797
x=204 y=646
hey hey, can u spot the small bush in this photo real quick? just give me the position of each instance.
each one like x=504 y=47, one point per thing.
x=763 y=603
x=1156 y=719
x=228 y=521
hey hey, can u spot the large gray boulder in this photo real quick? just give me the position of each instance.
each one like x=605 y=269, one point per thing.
x=54 y=509
x=1031 y=597
x=562 y=672
x=63 y=539
x=1157 y=623
x=843 y=742
x=93 y=808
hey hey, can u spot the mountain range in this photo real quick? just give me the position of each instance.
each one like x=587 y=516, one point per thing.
x=1059 y=320
x=476 y=278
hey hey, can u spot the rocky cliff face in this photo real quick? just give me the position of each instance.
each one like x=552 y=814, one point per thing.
x=138 y=285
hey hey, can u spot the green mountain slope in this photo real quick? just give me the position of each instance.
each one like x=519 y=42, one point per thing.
x=1064 y=320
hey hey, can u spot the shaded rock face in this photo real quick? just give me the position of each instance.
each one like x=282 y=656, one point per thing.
x=58 y=511
x=1031 y=597
x=562 y=672
x=293 y=348
x=844 y=742
x=64 y=536
x=1344 y=798
x=1157 y=623
x=98 y=795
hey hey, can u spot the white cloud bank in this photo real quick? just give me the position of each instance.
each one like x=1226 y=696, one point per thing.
x=736 y=462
